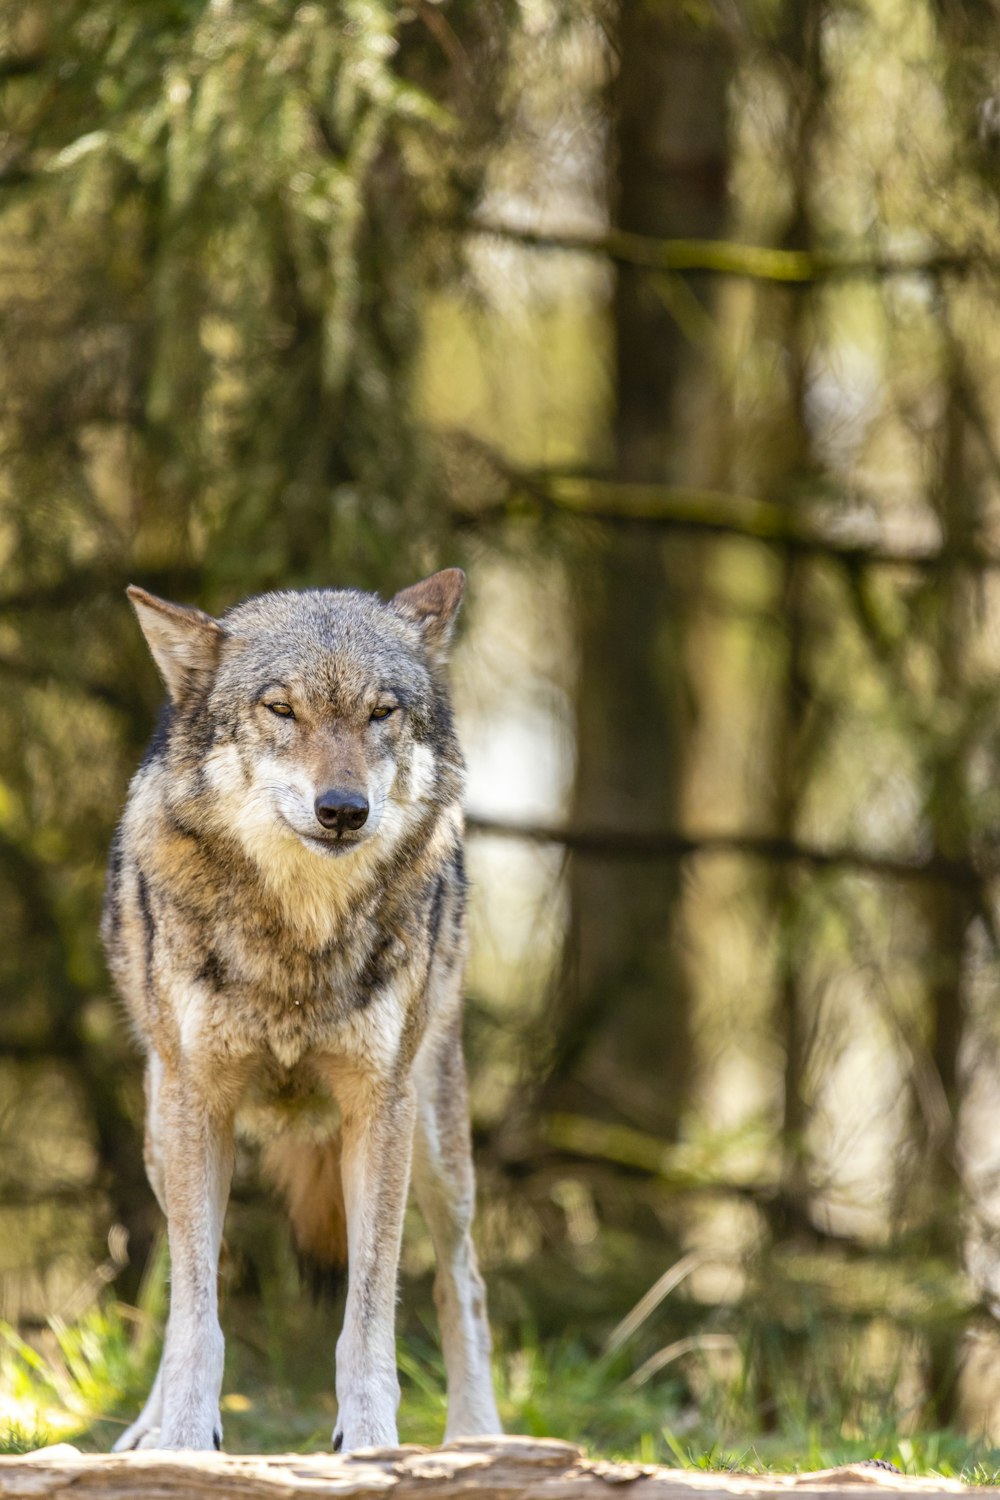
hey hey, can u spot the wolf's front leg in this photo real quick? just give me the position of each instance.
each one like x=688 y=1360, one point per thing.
x=196 y=1143
x=377 y=1142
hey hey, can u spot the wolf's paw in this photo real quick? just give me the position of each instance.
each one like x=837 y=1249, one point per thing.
x=472 y=1416
x=139 y=1435
x=195 y=1434
x=363 y=1432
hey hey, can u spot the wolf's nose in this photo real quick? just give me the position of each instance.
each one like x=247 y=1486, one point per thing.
x=340 y=810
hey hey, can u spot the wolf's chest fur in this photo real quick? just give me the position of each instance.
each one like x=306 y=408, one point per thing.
x=301 y=946
x=272 y=951
x=262 y=991
x=284 y=956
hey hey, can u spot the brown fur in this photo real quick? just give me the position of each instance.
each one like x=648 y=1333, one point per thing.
x=307 y=1174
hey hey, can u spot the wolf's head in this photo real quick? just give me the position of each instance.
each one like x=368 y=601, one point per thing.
x=321 y=716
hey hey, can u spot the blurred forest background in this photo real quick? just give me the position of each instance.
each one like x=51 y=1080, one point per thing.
x=674 y=322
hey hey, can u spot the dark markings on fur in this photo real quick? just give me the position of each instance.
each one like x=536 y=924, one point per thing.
x=115 y=861
x=160 y=742
x=408 y=851
x=461 y=884
x=437 y=905
x=200 y=728
x=450 y=1080
x=447 y=947
x=367 y=1299
x=112 y=888
x=148 y=925
x=181 y=829
x=212 y=971
x=338 y=1441
x=375 y=972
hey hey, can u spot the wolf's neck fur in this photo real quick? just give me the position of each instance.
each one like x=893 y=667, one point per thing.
x=315 y=893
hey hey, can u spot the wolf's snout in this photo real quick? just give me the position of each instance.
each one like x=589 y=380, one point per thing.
x=340 y=810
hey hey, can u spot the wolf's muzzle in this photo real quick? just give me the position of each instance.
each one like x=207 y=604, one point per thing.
x=341 y=810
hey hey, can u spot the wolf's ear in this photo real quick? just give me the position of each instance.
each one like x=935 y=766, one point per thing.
x=185 y=642
x=432 y=605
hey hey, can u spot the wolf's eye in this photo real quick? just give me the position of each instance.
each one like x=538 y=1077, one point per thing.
x=283 y=710
x=383 y=712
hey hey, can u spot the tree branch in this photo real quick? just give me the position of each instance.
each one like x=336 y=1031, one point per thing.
x=790 y=268
x=22 y=65
x=701 y=511
x=632 y=844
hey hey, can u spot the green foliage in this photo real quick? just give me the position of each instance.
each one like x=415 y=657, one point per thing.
x=17 y=1439
x=244 y=350
x=81 y=1374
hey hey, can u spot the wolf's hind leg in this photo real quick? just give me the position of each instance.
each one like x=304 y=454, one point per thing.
x=145 y=1430
x=445 y=1189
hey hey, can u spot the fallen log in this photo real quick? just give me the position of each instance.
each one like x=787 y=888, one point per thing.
x=496 y=1468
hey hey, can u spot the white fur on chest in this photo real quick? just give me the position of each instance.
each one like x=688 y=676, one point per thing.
x=314 y=892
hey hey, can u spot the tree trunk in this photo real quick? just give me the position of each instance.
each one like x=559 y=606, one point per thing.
x=625 y=1040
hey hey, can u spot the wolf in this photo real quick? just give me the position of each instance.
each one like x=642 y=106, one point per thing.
x=284 y=920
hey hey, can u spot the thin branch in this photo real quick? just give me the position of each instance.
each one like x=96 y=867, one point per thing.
x=71 y=1193
x=726 y=258
x=22 y=65
x=443 y=34
x=617 y=844
x=708 y=512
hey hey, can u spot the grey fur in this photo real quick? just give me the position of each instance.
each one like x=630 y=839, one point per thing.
x=281 y=974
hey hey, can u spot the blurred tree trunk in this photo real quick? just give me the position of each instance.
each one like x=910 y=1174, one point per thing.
x=624 y=1038
x=967 y=30
x=967 y=33
x=800 y=46
x=948 y=910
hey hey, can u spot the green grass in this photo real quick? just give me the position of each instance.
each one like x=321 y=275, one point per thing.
x=68 y=1382
x=945 y=1454
x=15 y=1438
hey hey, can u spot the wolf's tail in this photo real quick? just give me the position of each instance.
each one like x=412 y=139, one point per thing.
x=307 y=1174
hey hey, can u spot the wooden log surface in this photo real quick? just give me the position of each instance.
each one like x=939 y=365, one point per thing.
x=497 y=1468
